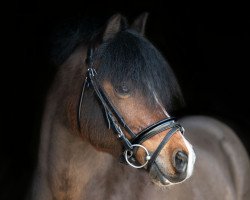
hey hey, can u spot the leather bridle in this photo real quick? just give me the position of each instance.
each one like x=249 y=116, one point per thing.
x=118 y=124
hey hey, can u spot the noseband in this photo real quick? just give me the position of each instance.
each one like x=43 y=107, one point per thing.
x=116 y=121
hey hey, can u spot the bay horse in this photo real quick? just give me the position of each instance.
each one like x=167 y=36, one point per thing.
x=107 y=131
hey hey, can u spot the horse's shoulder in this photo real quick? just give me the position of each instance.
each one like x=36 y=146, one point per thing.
x=212 y=130
x=212 y=127
x=214 y=138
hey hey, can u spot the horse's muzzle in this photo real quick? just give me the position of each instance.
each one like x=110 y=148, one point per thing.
x=178 y=167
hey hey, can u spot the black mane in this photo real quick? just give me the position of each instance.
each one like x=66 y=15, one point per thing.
x=69 y=34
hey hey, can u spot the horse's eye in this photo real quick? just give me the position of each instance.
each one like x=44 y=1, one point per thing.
x=122 y=89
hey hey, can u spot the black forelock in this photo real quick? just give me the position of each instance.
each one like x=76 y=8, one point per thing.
x=131 y=58
x=128 y=57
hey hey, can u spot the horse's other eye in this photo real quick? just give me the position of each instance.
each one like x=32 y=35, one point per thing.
x=122 y=89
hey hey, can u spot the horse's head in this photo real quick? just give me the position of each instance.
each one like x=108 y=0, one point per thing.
x=130 y=87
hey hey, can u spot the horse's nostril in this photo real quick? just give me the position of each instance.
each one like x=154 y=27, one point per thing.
x=180 y=161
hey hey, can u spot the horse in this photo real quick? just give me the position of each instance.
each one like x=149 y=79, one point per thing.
x=107 y=132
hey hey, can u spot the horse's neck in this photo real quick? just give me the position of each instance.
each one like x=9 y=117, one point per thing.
x=66 y=163
x=70 y=168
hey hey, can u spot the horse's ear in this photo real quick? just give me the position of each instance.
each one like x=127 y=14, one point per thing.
x=115 y=24
x=140 y=23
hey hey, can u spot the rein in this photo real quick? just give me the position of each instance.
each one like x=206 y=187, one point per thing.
x=116 y=121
